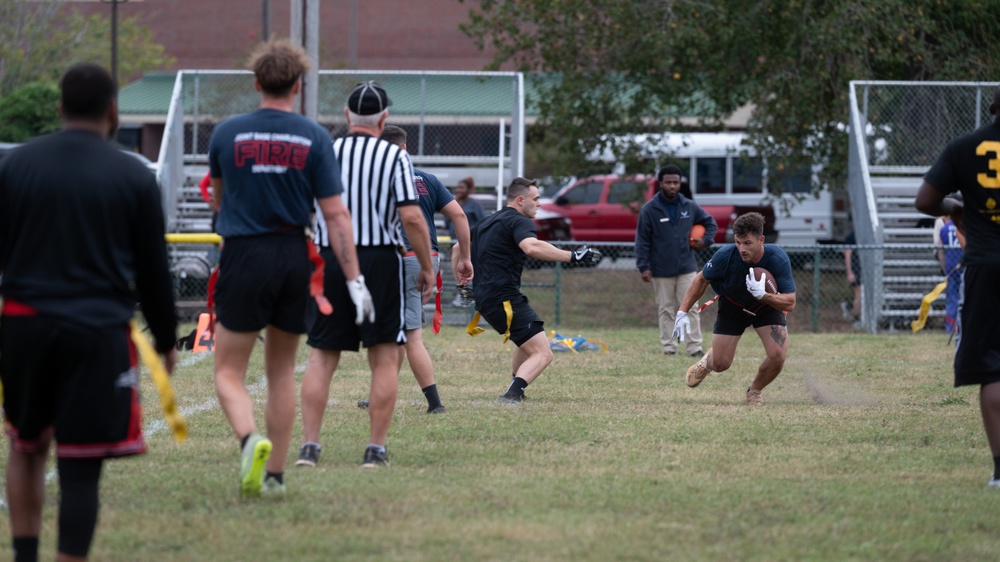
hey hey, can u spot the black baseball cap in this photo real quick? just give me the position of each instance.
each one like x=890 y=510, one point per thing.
x=368 y=98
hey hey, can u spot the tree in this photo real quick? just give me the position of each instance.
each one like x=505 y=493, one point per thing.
x=627 y=66
x=40 y=40
x=29 y=111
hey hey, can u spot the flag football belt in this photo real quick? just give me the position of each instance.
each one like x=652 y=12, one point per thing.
x=473 y=328
x=745 y=309
x=438 y=314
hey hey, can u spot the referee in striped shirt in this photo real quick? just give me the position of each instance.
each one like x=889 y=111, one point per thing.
x=380 y=194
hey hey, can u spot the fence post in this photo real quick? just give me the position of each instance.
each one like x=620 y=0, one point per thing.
x=815 y=296
x=558 y=290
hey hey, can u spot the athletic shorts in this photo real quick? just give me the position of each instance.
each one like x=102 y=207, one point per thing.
x=382 y=267
x=264 y=280
x=414 y=300
x=977 y=353
x=80 y=385
x=524 y=323
x=731 y=320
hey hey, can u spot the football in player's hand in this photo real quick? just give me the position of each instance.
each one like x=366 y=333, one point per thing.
x=697 y=233
x=770 y=285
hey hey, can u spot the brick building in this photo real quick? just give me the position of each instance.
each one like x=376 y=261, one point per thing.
x=387 y=35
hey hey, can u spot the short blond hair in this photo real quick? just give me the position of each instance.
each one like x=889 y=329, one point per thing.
x=278 y=65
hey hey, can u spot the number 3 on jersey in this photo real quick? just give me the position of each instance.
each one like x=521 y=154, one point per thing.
x=990 y=181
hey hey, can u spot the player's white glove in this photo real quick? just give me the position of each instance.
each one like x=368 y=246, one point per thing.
x=585 y=255
x=682 y=325
x=362 y=299
x=756 y=287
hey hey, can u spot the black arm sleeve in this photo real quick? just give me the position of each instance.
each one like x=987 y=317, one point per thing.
x=153 y=283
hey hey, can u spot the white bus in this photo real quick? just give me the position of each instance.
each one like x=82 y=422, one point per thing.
x=722 y=171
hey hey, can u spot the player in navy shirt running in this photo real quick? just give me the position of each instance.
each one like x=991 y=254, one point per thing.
x=743 y=302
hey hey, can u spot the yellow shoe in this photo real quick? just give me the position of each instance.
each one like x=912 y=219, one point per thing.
x=255 y=455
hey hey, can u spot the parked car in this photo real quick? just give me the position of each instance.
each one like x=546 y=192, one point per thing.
x=606 y=209
x=550 y=226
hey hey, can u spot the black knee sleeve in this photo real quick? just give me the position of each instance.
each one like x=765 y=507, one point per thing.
x=79 y=486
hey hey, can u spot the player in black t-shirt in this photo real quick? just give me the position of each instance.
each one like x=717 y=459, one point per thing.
x=81 y=241
x=971 y=164
x=500 y=245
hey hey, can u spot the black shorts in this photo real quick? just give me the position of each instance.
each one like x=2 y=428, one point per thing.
x=977 y=353
x=731 y=319
x=264 y=280
x=524 y=323
x=382 y=267
x=79 y=384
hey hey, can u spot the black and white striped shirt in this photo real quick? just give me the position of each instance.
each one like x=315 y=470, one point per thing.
x=378 y=178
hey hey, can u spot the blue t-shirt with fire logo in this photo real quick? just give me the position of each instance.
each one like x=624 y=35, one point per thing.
x=273 y=164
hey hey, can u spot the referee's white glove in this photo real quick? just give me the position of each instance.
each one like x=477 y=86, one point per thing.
x=363 y=303
x=682 y=325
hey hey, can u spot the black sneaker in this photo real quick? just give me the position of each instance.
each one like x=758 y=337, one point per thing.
x=375 y=458
x=510 y=398
x=362 y=404
x=439 y=409
x=698 y=353
x=308 y=455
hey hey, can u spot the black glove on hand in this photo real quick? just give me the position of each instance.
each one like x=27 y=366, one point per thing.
x=585 y=255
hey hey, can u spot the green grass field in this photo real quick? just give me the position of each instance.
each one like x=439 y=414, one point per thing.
x=863 y=451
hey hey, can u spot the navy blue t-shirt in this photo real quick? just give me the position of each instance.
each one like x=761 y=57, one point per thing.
x=496 y=256
x=432 y=196
x=273 y=164
x=727 y=273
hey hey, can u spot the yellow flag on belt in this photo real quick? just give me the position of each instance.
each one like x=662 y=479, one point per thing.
x=925 y=306
x=162 y=381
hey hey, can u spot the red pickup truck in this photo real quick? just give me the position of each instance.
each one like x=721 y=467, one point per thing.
x=606 y=209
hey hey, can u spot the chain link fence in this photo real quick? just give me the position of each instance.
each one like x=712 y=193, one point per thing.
x=613 y=295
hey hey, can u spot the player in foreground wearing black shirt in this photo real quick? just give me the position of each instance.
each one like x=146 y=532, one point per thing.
x=500 y=245
x=81 y=240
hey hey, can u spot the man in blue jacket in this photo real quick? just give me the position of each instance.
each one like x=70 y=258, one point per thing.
x=664 y=253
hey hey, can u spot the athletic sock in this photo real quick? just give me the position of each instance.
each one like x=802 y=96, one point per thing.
x=25 y=549
x=381 y=448
x=431 y=394
x=996 y=468
x=517 y=387
x=279 y=476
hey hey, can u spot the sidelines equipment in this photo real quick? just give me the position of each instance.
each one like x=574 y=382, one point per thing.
x=697 y=233
x=559 y=342
x=162 y=381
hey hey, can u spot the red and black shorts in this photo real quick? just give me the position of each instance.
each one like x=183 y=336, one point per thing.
x=382 y=267
x=977 y=353
x=264 y=280
x=733 y=319
x=78 y=384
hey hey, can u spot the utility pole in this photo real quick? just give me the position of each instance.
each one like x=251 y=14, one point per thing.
x=114 y=36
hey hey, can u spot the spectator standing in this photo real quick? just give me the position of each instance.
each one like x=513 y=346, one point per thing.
x=968 y=164
x=665 y=257
x=852 y=265
x=500 y=245
x=472 y=208
x=380 y=193
x=743 y=303
x=268 y=167
x=80 y=243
